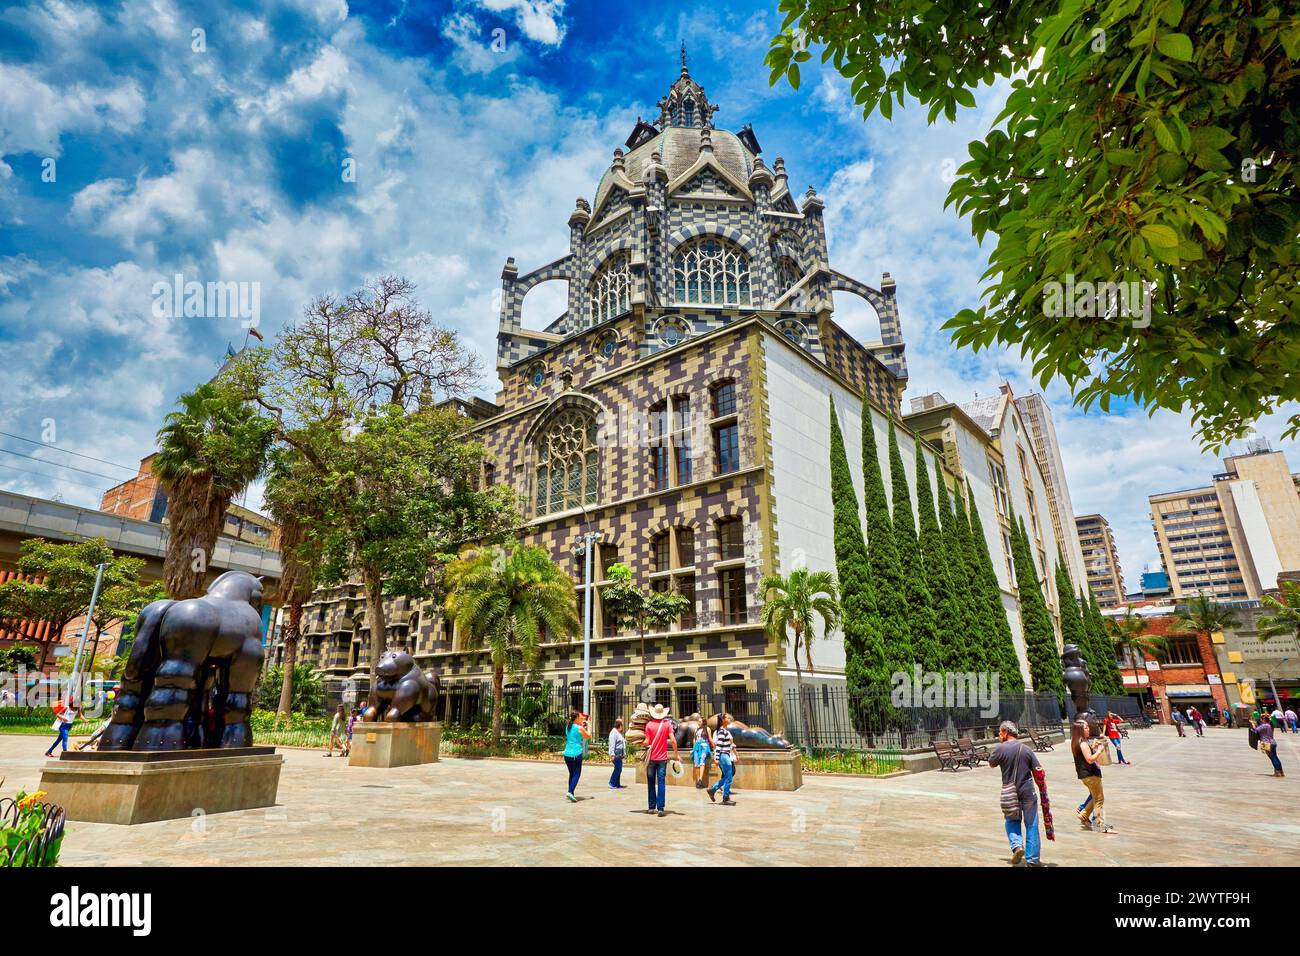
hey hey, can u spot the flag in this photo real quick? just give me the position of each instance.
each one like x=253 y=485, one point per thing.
x=252 y=330
x=230 y=350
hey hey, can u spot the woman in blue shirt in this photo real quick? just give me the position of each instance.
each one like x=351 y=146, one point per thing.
x=573 y=741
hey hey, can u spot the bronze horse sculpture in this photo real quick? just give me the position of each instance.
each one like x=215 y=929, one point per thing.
x=189 y=680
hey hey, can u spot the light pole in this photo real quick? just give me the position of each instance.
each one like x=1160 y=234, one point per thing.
x=586 y=549
x=94 y=596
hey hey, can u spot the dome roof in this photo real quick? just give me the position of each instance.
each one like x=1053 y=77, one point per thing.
x=678 y=148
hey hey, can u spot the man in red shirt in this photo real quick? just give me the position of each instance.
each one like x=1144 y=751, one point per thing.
x=658 y=736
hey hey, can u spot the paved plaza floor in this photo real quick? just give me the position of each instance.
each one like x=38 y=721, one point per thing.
x=1185 y=801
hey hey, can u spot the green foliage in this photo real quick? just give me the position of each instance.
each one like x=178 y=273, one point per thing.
x=793 y=604
x=873 y=763
x=1204 y=615
x=20 y=835
x=1108 y=678
x=981 y=652
x=1285 y=618
x=963 y=652
x=1001 y=654
x=66 y=576
x=1035 y=622
x=865 y=665
x=503 y=601
x=886 y=569
x=18 y=656
x=1142 y=142
x=923 y=617
x=631 y=606
x=308 y=689
x=1129 y=634
x=938 y=577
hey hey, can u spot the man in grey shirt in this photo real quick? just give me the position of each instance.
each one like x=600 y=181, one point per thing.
x=1019 y=797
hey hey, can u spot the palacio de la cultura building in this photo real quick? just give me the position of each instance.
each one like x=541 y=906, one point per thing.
x=679 y=407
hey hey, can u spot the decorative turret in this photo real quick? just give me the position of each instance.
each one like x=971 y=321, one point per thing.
x=580 y=216
x=812 y=205
x=782 y=181
x=686 y=103
x=761 y=177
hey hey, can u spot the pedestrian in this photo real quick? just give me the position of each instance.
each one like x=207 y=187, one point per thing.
x=1262 y=736
x=617 y=751
x=337 y=730
x=1290 y=716
x=574 y=739
x=65 y=715
x=352 y=722
x=1019 y=799
x=658 y=736
x=6 y=698
x=1178 y=719
x=1194 y=718
x=1086 y=753
x=1277 y=716
x=1227 y=718
x=724 y=754
x=700 y=752
x=1112 y=733
x=93 y=739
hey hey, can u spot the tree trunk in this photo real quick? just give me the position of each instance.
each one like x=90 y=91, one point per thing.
x=194 y=518
x=643 y=652
x=292 y=628
x=805 y=731
x=375 y=618
x=498 y=682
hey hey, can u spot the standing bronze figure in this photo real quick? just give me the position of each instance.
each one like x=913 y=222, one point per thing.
x=190 y=678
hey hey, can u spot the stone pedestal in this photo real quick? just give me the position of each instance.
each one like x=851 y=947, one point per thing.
x=127 y=787
x=394 y=744
x=756 y=770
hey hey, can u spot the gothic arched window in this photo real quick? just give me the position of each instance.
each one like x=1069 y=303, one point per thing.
x=787 y=273
x=611 y=289
x=711 y=271
x=568 y=463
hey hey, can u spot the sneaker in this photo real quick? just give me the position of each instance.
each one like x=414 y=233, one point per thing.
x=663 y=813
x=713 y=794
x=1033 y=863
x=1017 y=855
x=728 y=802
x=1108 y=829
x=572 y=798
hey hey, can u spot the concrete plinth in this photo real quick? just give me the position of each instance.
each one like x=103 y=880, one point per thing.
x=394 y=744
x=755 y=770
x=128 y=787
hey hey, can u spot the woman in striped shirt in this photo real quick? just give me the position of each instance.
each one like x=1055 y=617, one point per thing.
x=724 y=753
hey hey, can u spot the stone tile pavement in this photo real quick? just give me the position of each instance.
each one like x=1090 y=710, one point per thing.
x=1185 y=801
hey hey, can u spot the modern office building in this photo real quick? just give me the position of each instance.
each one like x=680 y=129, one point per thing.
x=1231 y=539
x=1101 y=559
x=1037 y=416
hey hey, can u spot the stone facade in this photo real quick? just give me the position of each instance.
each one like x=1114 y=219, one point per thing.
x=643 y=412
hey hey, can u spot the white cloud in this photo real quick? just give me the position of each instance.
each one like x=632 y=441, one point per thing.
x=540 y=20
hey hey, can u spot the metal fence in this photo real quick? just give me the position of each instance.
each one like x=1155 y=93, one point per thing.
x=826 y=717
x=30 y=846
x=542 y=709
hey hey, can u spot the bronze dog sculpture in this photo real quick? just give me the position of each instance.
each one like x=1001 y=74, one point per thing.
x=189 y=680
x=403 y=693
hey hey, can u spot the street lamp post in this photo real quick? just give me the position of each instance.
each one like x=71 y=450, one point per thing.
x=587 y=549
x=81 y=643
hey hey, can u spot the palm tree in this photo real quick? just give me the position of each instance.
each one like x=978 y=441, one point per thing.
x=505 y=601
x=209 y=452
x=1286 y=620
x=1204 y=616
x=1129 y=636
x=791 y=605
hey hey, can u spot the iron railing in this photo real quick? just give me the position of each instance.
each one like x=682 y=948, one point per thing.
x=37 y=848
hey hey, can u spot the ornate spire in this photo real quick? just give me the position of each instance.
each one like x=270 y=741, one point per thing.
x=686 y=103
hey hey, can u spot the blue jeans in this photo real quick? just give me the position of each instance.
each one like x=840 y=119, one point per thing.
x=1119 y=754
x=1272 y=755
x=616 y=778
x=63 y=739
x=1029 y=813
x=656 y=775
x=728 y=771
x=575 y=771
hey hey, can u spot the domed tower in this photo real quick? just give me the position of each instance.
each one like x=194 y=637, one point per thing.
x=690 y=230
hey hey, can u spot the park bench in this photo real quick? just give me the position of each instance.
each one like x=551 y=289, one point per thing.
x=949 y=759
x=967 y=748
x=1042 y=743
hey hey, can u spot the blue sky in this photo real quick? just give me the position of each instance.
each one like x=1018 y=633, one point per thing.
x=224 y=164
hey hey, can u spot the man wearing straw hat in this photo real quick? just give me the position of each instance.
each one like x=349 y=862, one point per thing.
x=658 y=736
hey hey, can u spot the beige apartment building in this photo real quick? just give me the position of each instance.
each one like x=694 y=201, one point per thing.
x=1060 y=507
x=1101 y=559
x=1231 y=539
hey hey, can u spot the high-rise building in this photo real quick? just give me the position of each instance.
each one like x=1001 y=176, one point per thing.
x=1232 y=538
x=1101 y=559
x=1042 y=435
